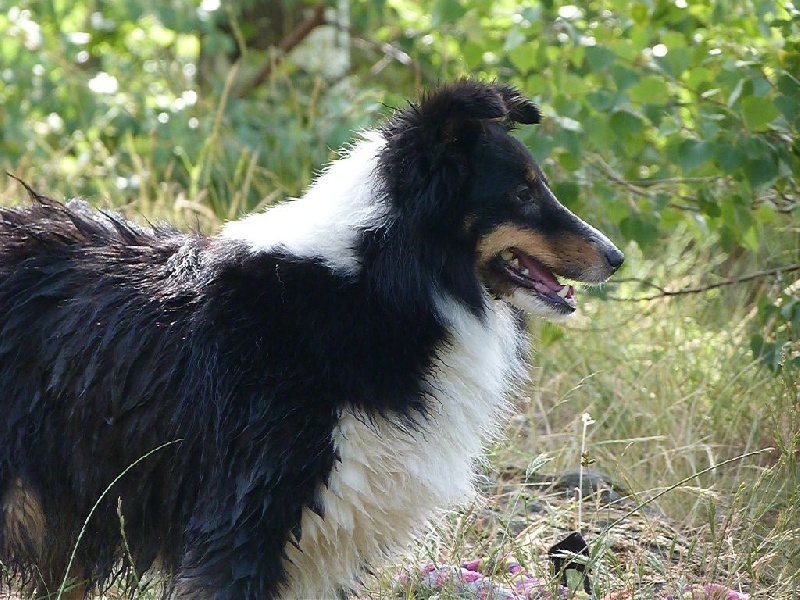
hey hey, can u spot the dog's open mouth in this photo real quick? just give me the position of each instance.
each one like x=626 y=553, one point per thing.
x=527 y=272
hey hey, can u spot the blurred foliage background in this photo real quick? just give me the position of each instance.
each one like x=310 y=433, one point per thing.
x=660 y=115
x=671 y=124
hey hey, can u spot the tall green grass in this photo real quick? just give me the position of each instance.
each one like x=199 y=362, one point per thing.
x=241 y=155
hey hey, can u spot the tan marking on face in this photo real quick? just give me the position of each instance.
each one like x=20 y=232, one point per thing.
x=532 y=177
x=576 y=252
x=508 y=236
x=24 y=519
x=565 y=254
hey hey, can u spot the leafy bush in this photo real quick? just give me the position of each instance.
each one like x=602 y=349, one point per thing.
x=108 y=92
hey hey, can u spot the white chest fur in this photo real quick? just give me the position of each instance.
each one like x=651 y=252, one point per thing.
x=390 y=480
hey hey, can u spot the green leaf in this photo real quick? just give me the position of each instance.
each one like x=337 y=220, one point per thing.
x=568 y=161
x=757 y=344
x=769 y=353
x=624 y=77
x=788 y=308
x=599 y=132
x=728 y=157
x=751 y=239
x=639 y=13
x=523 y=58
x=737 y=217
x=473 y=54
x=624 y=49
x=577 y=56
x=697 y=77
x=650 y=90
x=447 y=11
x=708 y=206
x=642 y=230
x=514 y=39
x=566 y=191
x=761 y=171
x=761 y=86
x=758 y=112
x=601 y=100
x=693 y=153
x=599 y=58
x=625 y=123
x=541 y=146
x=788 y=85
x=676 y=61
x=765 y=215
x=789 y=107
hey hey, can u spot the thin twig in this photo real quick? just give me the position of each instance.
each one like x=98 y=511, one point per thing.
x=644 y=282
x=390 y=52
x=618 y=179
x=664 y=293
x=676 y=180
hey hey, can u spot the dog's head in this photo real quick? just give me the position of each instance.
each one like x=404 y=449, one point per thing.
x=473 y=190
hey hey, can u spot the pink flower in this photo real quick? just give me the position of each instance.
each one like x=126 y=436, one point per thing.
x=470 y=576
x=473 y=565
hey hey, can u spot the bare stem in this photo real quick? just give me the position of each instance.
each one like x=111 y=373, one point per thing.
x=664 y=293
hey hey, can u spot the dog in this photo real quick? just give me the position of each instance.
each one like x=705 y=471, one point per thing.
x=273 y=411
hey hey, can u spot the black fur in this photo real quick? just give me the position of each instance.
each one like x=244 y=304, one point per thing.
x=117 y=339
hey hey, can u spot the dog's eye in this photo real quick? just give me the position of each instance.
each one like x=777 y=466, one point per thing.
x=523 y=194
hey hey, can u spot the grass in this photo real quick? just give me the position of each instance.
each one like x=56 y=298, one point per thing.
x=671 y=385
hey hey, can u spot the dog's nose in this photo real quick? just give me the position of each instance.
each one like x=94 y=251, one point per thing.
x=615 y=258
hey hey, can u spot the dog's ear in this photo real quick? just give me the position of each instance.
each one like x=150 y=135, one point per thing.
x=451 y=113
x=455 y=113
x=520 y=109
x=451 y=109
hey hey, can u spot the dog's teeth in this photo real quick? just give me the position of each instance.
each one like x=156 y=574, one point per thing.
x=563 y=291
x=507 y=255
x=515 y=263
x=525 y=272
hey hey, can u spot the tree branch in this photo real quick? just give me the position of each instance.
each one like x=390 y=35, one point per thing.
x=294 y=37
x=675 y=180
x=665 y=293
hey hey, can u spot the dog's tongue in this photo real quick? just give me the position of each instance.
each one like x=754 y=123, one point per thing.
x=538 y=272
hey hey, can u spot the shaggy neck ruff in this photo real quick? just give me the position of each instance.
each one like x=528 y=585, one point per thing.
x=391 y=477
